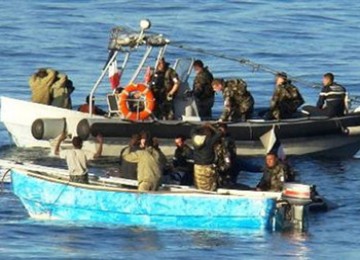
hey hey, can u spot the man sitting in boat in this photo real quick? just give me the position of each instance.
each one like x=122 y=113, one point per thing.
x=332 y=99
x=204 y=139
x=275 y=174
x=183 y=162
x=77 y=158
x=286 y=98
x=238 y=102
x=202 y=90
x=164 y=84
x=85 y=108
x=225 y=159
x=150 y=164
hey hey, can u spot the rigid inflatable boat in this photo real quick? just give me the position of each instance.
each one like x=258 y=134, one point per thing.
x=32 y=125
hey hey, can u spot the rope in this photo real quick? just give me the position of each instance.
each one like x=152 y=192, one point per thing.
x=256 y=67
x=3 y=178
x=246 y=62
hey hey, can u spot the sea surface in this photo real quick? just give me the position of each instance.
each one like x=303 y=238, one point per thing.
x=304 y=38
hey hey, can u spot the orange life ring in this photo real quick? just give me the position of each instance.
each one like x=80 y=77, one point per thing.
x=148 y=100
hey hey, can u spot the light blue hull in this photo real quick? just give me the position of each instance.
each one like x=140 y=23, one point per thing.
x=51 y=199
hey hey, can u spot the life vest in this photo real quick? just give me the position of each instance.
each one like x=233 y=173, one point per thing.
x=146 y=100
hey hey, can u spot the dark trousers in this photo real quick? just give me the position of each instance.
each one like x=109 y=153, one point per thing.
x=204 y=108
x=327 y=111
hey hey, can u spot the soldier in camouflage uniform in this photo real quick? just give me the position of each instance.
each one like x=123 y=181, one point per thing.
x=286 y=98
x=225 y=159
x=203 y=91
x=164 y=84
x=275 y=174
x=238 y=102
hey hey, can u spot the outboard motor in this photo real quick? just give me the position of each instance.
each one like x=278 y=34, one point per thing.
x=293 y=206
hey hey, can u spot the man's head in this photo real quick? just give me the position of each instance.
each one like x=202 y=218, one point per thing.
x=217 y=85
x=271 y=160
x=328 y=79
x=77 y=142
x=41 y=73
x=280 y=78
x=222 y=128
x=145 y=139
x=162 y=65
x=180 y=141
x=88 y=99
x=198 y=66
x=135 y=140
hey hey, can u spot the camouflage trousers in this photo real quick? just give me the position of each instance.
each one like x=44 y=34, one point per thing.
x=80 y=178
x=205 y=177
x=149 y=185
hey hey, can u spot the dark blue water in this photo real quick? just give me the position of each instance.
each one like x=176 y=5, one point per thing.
x=304 y=38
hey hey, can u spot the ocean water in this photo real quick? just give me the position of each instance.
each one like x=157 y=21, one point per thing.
x=304 y=38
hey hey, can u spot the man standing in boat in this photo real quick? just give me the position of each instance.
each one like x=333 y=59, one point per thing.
x=164 y=84
x=77 y=158
x=226 y=161
x=286 y=98
x=332 y=99
x=202 y=90
x=205 y=174
x=40 y=83
x=238 y=102
x=150 y=164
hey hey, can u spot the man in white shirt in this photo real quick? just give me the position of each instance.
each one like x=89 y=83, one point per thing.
x=77 y=158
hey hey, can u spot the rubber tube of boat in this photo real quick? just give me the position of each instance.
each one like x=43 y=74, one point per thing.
x=83 y=129
x=88 y=127
x=48 y=128
x=352 y=130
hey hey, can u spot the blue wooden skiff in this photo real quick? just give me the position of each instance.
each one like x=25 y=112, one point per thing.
x=54 y=198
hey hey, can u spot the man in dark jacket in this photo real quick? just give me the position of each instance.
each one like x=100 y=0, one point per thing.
x=183 y=162
x=204 y=139
x=332 y=99
x=203 y=91
x=164 y=84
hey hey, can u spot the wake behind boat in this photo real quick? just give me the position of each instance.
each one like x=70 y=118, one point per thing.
x=33 y=125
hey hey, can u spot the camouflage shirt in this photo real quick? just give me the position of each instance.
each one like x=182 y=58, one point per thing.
x=274 y=178
x=237 y=100
x=285 y=100
x=202 y=85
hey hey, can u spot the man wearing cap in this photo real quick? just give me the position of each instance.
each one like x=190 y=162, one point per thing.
x=238 y=102
x=286 y=98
